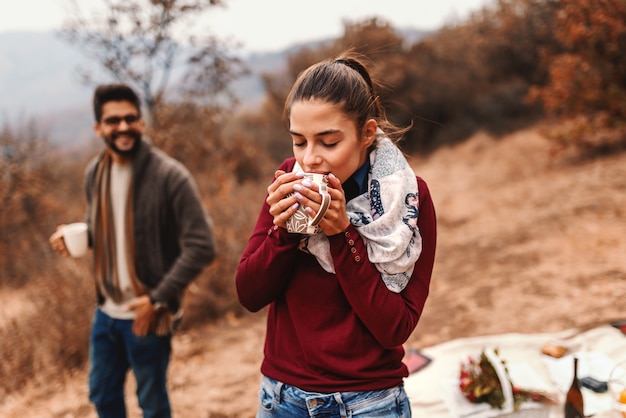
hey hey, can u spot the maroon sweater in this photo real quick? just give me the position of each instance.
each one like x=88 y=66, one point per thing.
x=332 y=332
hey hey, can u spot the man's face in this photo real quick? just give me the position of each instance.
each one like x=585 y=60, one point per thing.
x=121 y=127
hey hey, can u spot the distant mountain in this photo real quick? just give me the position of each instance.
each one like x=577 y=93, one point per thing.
x=37 y=73
x=39 y=80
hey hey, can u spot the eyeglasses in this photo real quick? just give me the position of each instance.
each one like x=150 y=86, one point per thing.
x=116 y=120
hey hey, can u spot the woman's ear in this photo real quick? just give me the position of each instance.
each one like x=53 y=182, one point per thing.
x=369 y=132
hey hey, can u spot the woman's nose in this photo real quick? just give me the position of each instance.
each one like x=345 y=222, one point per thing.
x=311 y=157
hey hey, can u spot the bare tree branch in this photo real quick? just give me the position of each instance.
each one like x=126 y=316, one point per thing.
x=147 y=44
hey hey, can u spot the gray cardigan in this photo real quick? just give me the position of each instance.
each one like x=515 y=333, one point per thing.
x=173 y=233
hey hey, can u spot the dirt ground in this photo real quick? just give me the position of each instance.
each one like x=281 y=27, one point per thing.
x=528 y=242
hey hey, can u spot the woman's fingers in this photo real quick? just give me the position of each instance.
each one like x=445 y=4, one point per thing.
x=288 y=191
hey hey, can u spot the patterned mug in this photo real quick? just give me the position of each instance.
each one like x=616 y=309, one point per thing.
x=301 y=222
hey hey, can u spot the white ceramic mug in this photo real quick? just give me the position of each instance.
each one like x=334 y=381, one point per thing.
x=300 y=222
x=617 y=389
x=75 y=238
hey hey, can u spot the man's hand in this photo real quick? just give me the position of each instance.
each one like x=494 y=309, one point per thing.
x=140 y=304
x=57 y=243
x=145 y=315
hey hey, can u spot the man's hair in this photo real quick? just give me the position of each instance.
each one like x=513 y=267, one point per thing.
x=113 y=93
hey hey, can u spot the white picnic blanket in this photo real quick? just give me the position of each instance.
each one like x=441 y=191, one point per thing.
x=434 y=392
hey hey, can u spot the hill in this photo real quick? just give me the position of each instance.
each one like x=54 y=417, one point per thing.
x=529 y=241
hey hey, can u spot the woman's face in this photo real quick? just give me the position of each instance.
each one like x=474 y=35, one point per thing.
x=325 y=140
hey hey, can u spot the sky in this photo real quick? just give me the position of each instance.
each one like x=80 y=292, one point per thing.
x=270 y=25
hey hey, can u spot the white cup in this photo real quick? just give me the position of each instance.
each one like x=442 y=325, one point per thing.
x=617 y=389
x=75 y=238
x=300 y=222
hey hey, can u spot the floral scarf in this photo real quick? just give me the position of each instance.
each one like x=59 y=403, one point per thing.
x=385 y=216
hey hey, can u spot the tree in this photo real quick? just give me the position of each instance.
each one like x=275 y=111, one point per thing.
x=137 y=42
x=587 y=73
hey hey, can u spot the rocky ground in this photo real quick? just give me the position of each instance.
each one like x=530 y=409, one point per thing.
x=529 y=241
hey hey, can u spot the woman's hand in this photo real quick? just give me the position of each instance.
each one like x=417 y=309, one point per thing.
x=305 y=193
x=281 y=205
x=336 y=219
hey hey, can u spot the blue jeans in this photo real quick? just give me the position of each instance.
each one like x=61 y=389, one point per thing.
x=280 y=400
x=114 y=349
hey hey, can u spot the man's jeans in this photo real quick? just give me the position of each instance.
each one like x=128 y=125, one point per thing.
x=113 y=350
x=278 y=400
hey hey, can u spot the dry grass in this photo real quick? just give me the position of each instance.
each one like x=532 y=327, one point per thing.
x=44 y=329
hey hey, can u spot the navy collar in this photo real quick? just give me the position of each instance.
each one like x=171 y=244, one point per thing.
x=356 y=185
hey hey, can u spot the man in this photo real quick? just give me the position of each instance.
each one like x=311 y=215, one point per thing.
x=150 y=237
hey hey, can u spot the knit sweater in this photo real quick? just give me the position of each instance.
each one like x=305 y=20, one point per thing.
x=332 y=332
x=173 y=233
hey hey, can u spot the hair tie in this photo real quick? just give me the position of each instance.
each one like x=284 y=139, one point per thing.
x=361 y=70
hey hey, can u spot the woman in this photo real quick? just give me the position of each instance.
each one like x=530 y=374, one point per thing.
x=341 y=302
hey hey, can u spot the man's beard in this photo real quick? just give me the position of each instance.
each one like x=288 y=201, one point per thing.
x=110 y=141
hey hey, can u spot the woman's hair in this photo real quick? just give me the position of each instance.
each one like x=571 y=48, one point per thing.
x=113 y=93
x=345 y=83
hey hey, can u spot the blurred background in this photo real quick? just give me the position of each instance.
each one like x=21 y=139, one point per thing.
x=214 y=76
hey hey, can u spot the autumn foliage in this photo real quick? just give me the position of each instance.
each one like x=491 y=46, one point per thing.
x=587 y=71
x=509 y=64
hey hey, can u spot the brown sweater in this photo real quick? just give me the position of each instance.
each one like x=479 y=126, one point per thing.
x=173 y=233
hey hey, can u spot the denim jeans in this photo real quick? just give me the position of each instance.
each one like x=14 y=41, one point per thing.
x=114 y=349
x=278 y=400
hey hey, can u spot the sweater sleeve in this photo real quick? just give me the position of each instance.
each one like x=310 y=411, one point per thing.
x=390 y=317
x=195 y=232
x=266 y=264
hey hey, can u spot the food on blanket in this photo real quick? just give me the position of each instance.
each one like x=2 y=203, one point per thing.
x=553 y=350
x=479 y=383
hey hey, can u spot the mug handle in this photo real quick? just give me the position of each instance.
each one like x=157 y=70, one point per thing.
x=323 y=190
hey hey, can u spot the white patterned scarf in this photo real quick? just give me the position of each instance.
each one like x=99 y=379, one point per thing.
x=385 y=216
